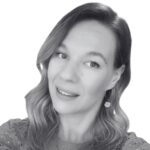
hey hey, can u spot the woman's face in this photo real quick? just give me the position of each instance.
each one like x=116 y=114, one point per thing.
x=81 y=69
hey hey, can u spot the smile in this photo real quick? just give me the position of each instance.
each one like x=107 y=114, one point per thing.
x=66 y=93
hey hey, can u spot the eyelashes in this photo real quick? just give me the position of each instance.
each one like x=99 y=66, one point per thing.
x=60 y=55
x=93 y=64
x=89 y=63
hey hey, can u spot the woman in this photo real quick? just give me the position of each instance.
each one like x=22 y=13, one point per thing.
x=85 y=67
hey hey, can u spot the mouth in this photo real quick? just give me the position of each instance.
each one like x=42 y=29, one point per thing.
x=66 y=93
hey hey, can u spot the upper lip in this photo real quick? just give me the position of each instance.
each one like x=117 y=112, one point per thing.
x=71 y=92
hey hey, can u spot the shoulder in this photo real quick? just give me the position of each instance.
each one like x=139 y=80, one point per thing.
x=13 y=133
x=133 y=142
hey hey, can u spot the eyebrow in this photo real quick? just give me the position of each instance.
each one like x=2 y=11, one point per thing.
x=93 y=53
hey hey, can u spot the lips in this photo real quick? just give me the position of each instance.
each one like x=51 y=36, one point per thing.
x=67 y=93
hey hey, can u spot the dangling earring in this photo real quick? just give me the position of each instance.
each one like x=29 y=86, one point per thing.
x=107 y=104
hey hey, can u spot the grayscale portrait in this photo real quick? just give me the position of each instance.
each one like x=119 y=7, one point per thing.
x=85 y=67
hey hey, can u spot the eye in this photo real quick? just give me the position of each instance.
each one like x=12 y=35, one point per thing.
x=61 y=55
x=93 y=64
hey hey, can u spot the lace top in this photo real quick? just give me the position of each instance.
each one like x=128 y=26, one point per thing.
x=14 y=132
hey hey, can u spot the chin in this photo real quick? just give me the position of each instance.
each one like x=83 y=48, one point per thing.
x=65 y=109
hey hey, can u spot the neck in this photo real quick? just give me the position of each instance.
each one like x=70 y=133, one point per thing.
x=77 y=128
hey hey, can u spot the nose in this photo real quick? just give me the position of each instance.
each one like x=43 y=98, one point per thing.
x=69 y=73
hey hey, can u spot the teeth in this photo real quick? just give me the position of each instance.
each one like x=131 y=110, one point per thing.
x=65 y=93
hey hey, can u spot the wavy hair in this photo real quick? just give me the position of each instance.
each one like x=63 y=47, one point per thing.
x=111 y=124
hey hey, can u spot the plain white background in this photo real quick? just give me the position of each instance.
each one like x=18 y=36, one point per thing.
x=24 y=25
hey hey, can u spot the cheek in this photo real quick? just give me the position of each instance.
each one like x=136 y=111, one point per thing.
x=95 y=84
x=53 y=72
x=53 y=69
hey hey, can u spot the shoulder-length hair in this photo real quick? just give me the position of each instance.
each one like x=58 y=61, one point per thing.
x=111 y=123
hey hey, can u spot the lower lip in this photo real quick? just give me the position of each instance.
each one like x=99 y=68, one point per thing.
x=65 y=97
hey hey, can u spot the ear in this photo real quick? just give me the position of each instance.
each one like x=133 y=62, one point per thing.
x=116 y=77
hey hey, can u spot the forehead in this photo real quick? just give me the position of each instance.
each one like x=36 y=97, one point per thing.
x=91 y=35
